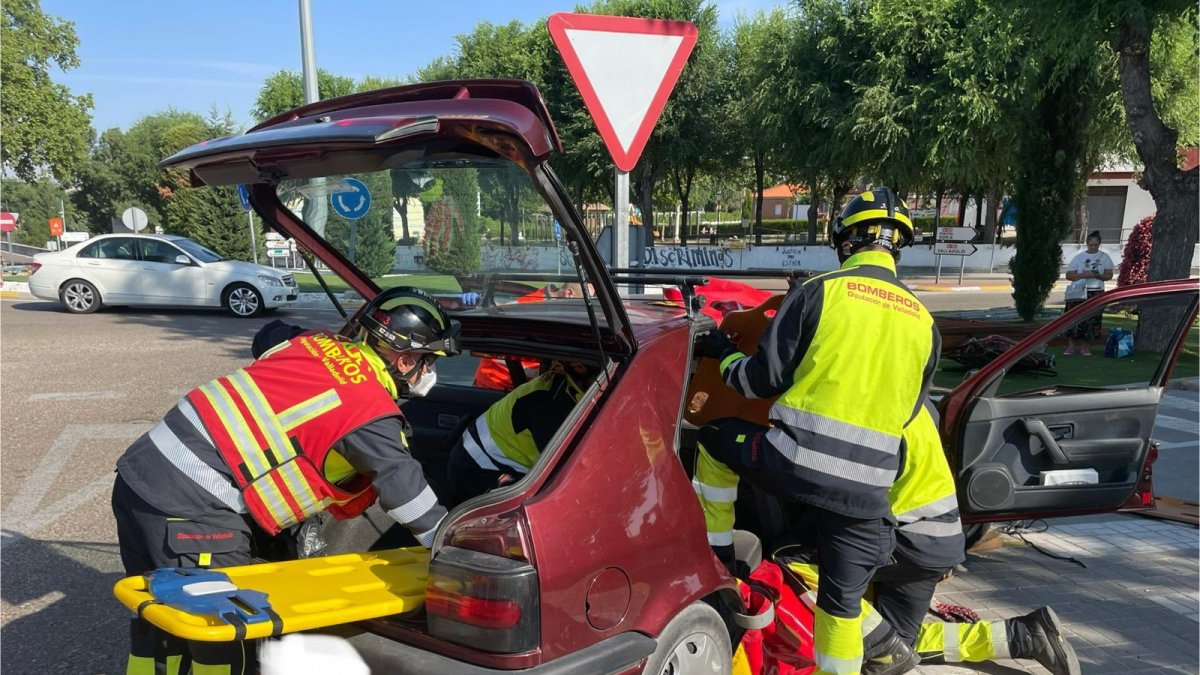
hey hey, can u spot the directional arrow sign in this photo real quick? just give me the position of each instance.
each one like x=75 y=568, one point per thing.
x=953 y=248
x=625 y=69
x=963 y=234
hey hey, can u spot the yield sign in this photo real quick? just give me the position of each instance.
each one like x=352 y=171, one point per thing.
x=625 y=69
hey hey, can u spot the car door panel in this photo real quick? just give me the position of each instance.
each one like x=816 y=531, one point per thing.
x=113 y=268
x=1002 y=461
x=166 y=282
x=437 y=420
x=1002 y=439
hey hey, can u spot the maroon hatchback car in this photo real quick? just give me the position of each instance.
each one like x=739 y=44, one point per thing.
x=596 y=560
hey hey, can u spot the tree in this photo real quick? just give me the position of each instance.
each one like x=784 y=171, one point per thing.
x=1051 y=153
x=36 y=203
x=47 y=129
x=451 y=227
x=284 y=91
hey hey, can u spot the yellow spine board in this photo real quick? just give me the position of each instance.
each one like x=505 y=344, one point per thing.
x=307 y=594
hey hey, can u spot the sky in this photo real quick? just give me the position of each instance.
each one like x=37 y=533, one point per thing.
x=139 y=57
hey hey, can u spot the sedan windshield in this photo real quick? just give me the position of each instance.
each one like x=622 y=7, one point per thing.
x=473 y=231
x=197 y=251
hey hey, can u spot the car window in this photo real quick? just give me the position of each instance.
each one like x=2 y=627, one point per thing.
x=154 y=250
x=1129 y=342
x=475 y=232
x=197 y=251
x=118 y=248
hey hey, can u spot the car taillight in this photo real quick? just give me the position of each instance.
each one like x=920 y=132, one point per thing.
x=483 y=601
x=33 y=267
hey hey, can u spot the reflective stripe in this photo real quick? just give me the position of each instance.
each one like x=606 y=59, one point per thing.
x=478 y=454
x=828 y=464
x=837 y=643
x=189 y=411
x=308 y=410
x=934 y=528
x=426 y=537
x=238 y=431
x=737 y=378
x=950 y=651
x=831 y=665
x=178 y=454
x=139 y=665
x=999 y=631
x=490 y=448
x=713 y=493
x=730 y=359
x=264 y=417
x=870 y=619
x=931 y=510
x=835 y=428
x=415 y=507
x=720 y=538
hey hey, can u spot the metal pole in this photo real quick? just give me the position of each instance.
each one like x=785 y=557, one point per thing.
x=620 y=239
x=308 y=58
x=253 y=243
x=961 y=267
x=937 y=276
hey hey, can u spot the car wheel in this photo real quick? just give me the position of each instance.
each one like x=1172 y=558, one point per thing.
x=696 y=641
x=80 y=297
x=243 y=300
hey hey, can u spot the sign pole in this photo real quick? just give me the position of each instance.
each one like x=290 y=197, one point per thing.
x=620 y=238
x=937 y=275
x=253 y=243
x=962 y=266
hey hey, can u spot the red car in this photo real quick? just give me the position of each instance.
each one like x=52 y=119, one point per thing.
x=597 y=560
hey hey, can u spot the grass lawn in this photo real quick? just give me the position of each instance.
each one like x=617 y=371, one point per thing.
x=1090 y=371
x=16 y=277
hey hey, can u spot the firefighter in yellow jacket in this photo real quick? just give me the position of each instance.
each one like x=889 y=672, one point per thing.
x=310 y=426
x=850 y=355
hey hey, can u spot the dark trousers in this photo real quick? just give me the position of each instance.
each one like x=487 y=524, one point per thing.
x=150 y=539
x=850 y=549
x=902 y=594
x=467 y=479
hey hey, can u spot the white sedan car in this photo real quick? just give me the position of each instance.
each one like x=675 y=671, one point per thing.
x=156 y=269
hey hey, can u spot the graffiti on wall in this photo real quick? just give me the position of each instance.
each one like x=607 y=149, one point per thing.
x=790 y=257
x=687 y=257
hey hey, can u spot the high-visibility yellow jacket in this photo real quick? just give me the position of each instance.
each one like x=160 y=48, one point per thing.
x=850 y=355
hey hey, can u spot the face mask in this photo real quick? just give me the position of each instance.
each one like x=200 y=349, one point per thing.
x=423 y=385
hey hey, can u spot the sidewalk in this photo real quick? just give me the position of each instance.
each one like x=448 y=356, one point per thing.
x=1132 y=610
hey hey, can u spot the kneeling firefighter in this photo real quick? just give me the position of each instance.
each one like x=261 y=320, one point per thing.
x=506 y=440
x=849 y=354
x=310 y=426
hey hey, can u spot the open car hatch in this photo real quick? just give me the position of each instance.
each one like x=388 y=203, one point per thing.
x=405 y=186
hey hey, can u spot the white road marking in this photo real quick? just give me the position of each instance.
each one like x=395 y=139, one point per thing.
x=1176 y=424
x=77 y=396
x=26 y=513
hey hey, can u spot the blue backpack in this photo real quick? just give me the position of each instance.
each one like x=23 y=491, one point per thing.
x=1120 y=343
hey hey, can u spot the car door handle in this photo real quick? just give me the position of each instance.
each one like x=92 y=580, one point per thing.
x=1038 y=431
x=446 y=421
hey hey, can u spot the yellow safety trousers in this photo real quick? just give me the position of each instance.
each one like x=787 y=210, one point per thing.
x=963 y=642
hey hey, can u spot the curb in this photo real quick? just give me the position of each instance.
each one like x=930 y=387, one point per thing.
x=963 y=289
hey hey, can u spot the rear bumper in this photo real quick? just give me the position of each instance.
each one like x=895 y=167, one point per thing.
x=624 y=653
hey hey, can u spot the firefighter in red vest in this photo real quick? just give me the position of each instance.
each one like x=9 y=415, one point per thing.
x=312 y=425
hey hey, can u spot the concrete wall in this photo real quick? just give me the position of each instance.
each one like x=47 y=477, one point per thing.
x=812 y=258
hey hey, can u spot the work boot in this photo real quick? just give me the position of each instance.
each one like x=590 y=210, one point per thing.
x=890 y=656
x=1039 y=636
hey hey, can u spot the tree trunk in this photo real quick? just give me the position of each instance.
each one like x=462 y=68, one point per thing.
x=937 y=209
x=813 y=203
x=978 y=211
x=647 y=180
x=401 y=205
x=759 y=177
x=964 y=197
x=989 y=226
x=1174 y=191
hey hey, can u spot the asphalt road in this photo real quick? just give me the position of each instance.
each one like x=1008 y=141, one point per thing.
x=76 y=391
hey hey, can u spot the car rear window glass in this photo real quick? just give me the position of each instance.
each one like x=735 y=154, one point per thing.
x=473 y=231
x=117 y=248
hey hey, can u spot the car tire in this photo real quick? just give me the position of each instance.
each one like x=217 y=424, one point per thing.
x=695 y=641
x=80 y=296
x=974 y=533
x=243 y=301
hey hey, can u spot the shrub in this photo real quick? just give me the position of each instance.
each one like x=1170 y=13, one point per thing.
x=1135 y=262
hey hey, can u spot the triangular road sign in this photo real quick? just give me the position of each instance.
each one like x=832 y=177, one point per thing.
x=625 y=69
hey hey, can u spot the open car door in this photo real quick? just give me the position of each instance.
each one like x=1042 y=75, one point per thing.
x=1036 y=444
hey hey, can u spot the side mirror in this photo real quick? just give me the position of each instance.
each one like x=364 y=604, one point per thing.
x=182 y=260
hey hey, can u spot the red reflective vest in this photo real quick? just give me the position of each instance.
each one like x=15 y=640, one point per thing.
x=275 y=421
